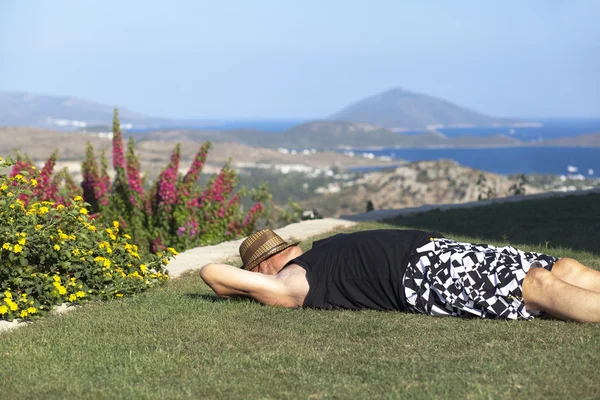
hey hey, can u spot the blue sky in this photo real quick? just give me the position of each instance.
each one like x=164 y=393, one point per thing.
x=305 y=58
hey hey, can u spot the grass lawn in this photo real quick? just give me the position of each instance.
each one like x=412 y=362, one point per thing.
x=182 y=342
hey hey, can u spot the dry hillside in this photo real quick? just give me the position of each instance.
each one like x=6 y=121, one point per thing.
x=411 y=185
x=39 y=143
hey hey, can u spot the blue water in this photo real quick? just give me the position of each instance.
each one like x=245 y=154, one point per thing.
x=546 y=160
x=550 y=129
x=509 y=160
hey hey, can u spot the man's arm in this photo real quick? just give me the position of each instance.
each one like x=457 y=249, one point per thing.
x=228 y=281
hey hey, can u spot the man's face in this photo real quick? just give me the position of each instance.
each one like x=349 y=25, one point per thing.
x=264 y=266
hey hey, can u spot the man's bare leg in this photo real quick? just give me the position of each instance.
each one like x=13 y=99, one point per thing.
x=544 y=291
x=577 y=274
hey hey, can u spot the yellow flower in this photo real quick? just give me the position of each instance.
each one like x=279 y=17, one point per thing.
x=38 y=227
x=61 y=289
x=172 y=250
x=43 y=210
x=116 y=224
x=7 y=246
x=17 y=248
x=143 y=267
x=78 y=198
x=56 y=247
x=119 y=294
x=80 y=294
x=91 y=228
x=33 y=182
x=3 y=310
x=11 y=304
x=59 y=207
x=22 y=241
x=31 y=310
x=8 y=295
x=4 y=187
x=23 y=314
x=72 y=298
x=126 y=236
x=83 y=211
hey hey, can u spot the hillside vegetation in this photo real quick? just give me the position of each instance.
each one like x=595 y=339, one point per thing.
x=412 y=185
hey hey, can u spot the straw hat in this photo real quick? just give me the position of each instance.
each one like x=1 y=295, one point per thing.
x=260 y=246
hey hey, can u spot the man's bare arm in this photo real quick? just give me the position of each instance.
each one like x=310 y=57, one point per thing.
x=228 y=281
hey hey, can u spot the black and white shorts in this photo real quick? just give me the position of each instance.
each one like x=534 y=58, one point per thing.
x=448 y=278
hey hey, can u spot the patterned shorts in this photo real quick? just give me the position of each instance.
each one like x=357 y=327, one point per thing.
x=448 y=278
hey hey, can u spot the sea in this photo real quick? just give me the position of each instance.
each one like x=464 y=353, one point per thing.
x=581 y=161
x=501 y=160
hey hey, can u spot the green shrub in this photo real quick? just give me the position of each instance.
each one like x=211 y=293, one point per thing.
x=55 y=253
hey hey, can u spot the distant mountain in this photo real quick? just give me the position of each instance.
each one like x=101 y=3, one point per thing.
x=401 y=109
x=589 y=140
x=58 y=112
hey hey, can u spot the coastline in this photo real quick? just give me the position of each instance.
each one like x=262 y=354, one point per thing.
x=475 y=146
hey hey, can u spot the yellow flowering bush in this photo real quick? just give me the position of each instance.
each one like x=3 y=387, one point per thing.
x=52 y=254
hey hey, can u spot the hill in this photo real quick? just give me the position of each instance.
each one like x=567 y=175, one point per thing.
x=402 y=109
x=61 y=112
x=412 y=185
x=154 y=154
x=589 y=140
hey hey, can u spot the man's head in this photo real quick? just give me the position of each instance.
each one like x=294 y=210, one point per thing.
x=267 y=252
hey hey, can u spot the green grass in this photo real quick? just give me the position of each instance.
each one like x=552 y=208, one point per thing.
x=182 y=342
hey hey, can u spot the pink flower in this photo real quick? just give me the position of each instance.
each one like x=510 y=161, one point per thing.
x=103 y=183
x=133 y=176
x=166 y=194
x=253 y=214
x=90 y=178
x=46 y=189
x=193 y=174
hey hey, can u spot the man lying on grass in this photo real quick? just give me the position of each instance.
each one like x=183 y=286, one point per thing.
x=409 y=270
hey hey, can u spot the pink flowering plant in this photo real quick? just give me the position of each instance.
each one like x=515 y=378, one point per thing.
x=53 y=252
x=174 y=211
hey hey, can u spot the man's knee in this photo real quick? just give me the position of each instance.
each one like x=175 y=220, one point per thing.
x=535 y=287
x=566 y=268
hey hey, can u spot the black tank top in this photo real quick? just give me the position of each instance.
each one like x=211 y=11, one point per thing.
x=360 y=270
